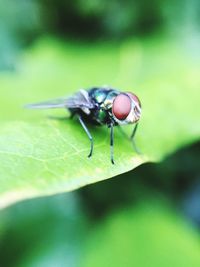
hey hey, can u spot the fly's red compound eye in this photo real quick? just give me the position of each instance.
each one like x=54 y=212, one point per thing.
x=135 y=98
x=121 y=106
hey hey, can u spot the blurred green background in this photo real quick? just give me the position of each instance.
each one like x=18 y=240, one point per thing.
x=149 y=217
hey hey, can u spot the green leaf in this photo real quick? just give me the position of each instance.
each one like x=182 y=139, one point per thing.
x=40 y=156
x=51 y=157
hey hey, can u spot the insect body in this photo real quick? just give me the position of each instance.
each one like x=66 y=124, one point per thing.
x=100 y=106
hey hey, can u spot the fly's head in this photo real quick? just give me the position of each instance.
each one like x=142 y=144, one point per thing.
x=126 y=108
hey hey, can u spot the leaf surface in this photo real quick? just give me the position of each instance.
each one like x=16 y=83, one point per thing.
x=40 y=156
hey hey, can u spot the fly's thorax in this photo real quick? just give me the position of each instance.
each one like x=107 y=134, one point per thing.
x=98 y=95
x=103 y=95
x=102 y=115
x=103 y=98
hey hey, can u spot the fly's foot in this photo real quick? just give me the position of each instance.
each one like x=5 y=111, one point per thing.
x=112 y=161
x=90 y=155
x=91 y=148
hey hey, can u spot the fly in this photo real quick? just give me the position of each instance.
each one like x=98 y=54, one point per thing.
x=99 y=106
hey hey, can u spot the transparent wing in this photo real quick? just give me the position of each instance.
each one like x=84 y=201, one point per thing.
x=79 y=100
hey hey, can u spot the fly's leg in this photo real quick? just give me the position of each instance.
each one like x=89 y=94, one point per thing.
x=132 y=138
x=112 y=143
x=88 y=134
x=134 y=131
